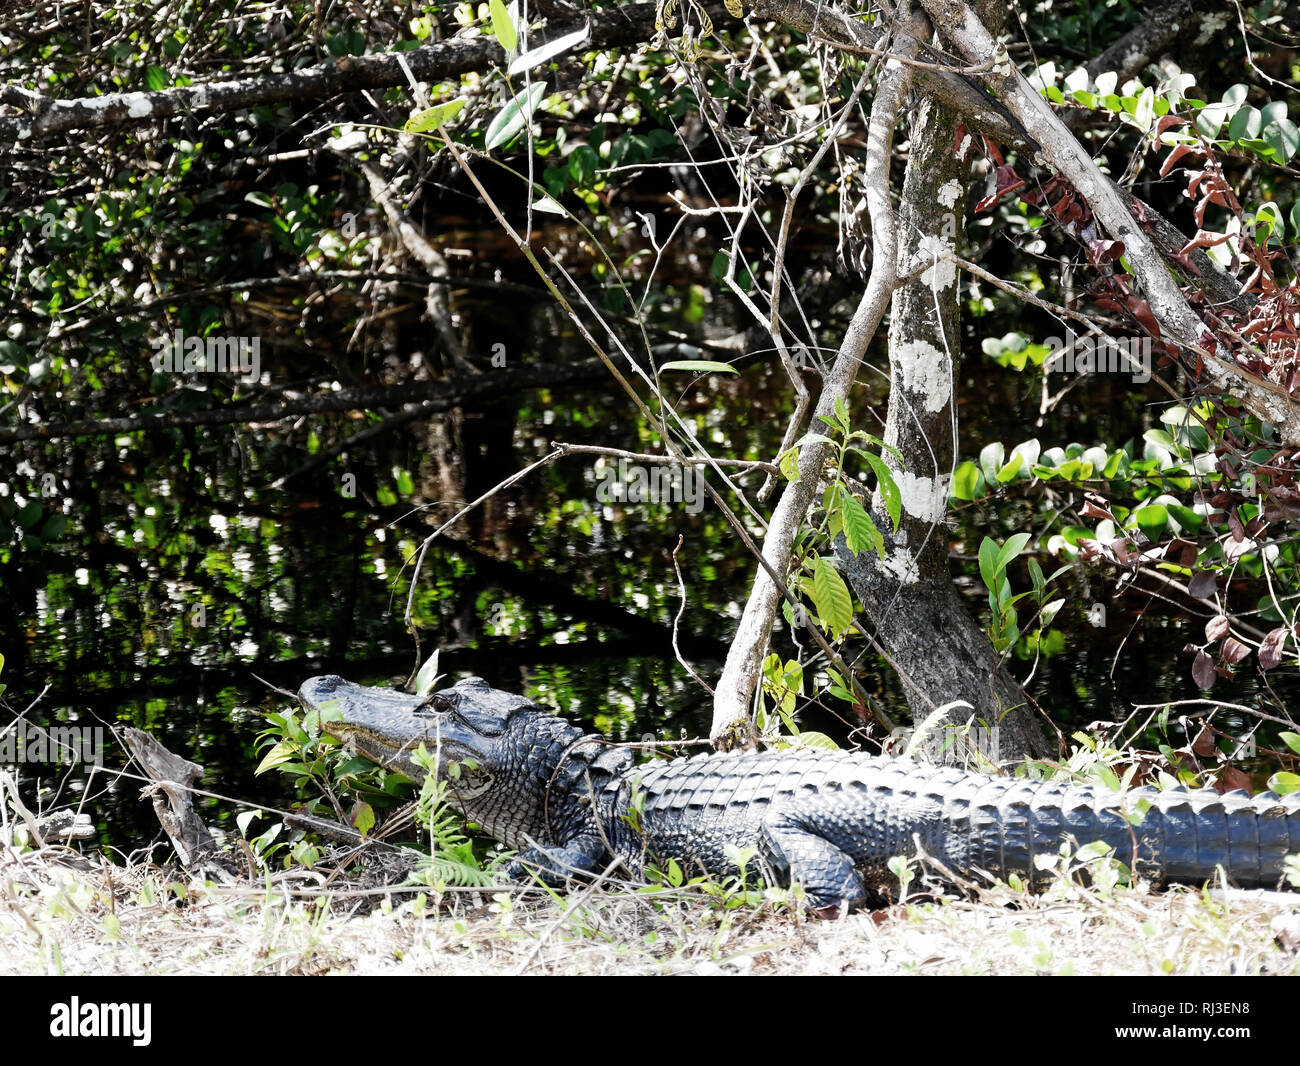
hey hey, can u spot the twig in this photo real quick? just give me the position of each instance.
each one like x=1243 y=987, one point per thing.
x=681 y=589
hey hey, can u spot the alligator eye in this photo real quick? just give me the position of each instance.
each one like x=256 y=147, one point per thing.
x=438 y=703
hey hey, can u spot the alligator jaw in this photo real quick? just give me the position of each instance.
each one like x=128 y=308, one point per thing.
x=385 y=726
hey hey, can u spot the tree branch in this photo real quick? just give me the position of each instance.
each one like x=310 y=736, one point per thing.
x=436 y=62
x=731 y=723
x=1178 y=321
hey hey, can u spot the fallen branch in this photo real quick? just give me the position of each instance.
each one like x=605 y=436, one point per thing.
x=174 y=778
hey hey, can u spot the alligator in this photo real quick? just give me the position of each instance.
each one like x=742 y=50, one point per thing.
x=575 y=805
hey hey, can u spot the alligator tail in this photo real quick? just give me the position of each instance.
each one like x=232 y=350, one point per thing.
x=998 y=826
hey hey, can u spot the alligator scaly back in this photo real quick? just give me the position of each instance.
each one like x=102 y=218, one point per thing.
x=832 y=821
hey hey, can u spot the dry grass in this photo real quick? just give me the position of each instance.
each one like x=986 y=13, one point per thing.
x=61 y=912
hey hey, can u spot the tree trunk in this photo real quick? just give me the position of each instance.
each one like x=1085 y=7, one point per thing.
x=919 y=618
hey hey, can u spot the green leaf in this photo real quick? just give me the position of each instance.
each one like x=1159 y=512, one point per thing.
x=246 y=818
x=842 y=414
x=700 y=366
x=1144 y=114
x=1105 y=775
x=860 y=531
x=815 y=438
x=1209 y=120
x=583 y=162
x=1283 y=137
x=1152 y=520
x=813 y=739
x=363 y=818
x=433 y=117
x=503 y=29
x=1273 y=111
x=789 y=464
x=535 y=57
x=888 y=488
x=1036 y=576
x=1291 y=740
x=283 y=752
x=156 y=78
x=967 y=481
x=514 y=116
x=1160 y=439
x=1028 y=450
x=991 y=456
x=831 y=597
x=428 y=675
x=54 y=527
x=1247 y=122
x=1236 y=94
x=988 y=562
x=1284 y=783
x=1014 y=546
x=1012 y=468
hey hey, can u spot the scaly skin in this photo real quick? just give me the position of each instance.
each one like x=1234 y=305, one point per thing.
x=827 y=820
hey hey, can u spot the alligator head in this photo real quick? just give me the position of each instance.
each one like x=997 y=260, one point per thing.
x=508 y=765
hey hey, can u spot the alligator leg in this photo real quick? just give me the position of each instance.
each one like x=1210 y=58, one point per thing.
x=582 y=856
x=799 y=854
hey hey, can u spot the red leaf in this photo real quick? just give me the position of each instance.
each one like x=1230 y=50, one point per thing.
x=1234 y=651
x=1231 y=778
x=1184 y=550
x=1217 y=627
x=1176 y=153
x=1141 y=310
x=1270 y=648
x=1203 y=745
x=1095 y=507
x=1203 y=670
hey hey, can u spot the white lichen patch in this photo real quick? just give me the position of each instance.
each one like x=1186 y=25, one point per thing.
x=948 y=193
x=926 y=370
x=944 y=272
x=1212 y=24
x=925 y=498
x=902 y=564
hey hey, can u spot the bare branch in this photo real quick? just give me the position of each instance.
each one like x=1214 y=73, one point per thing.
x=731 y=722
